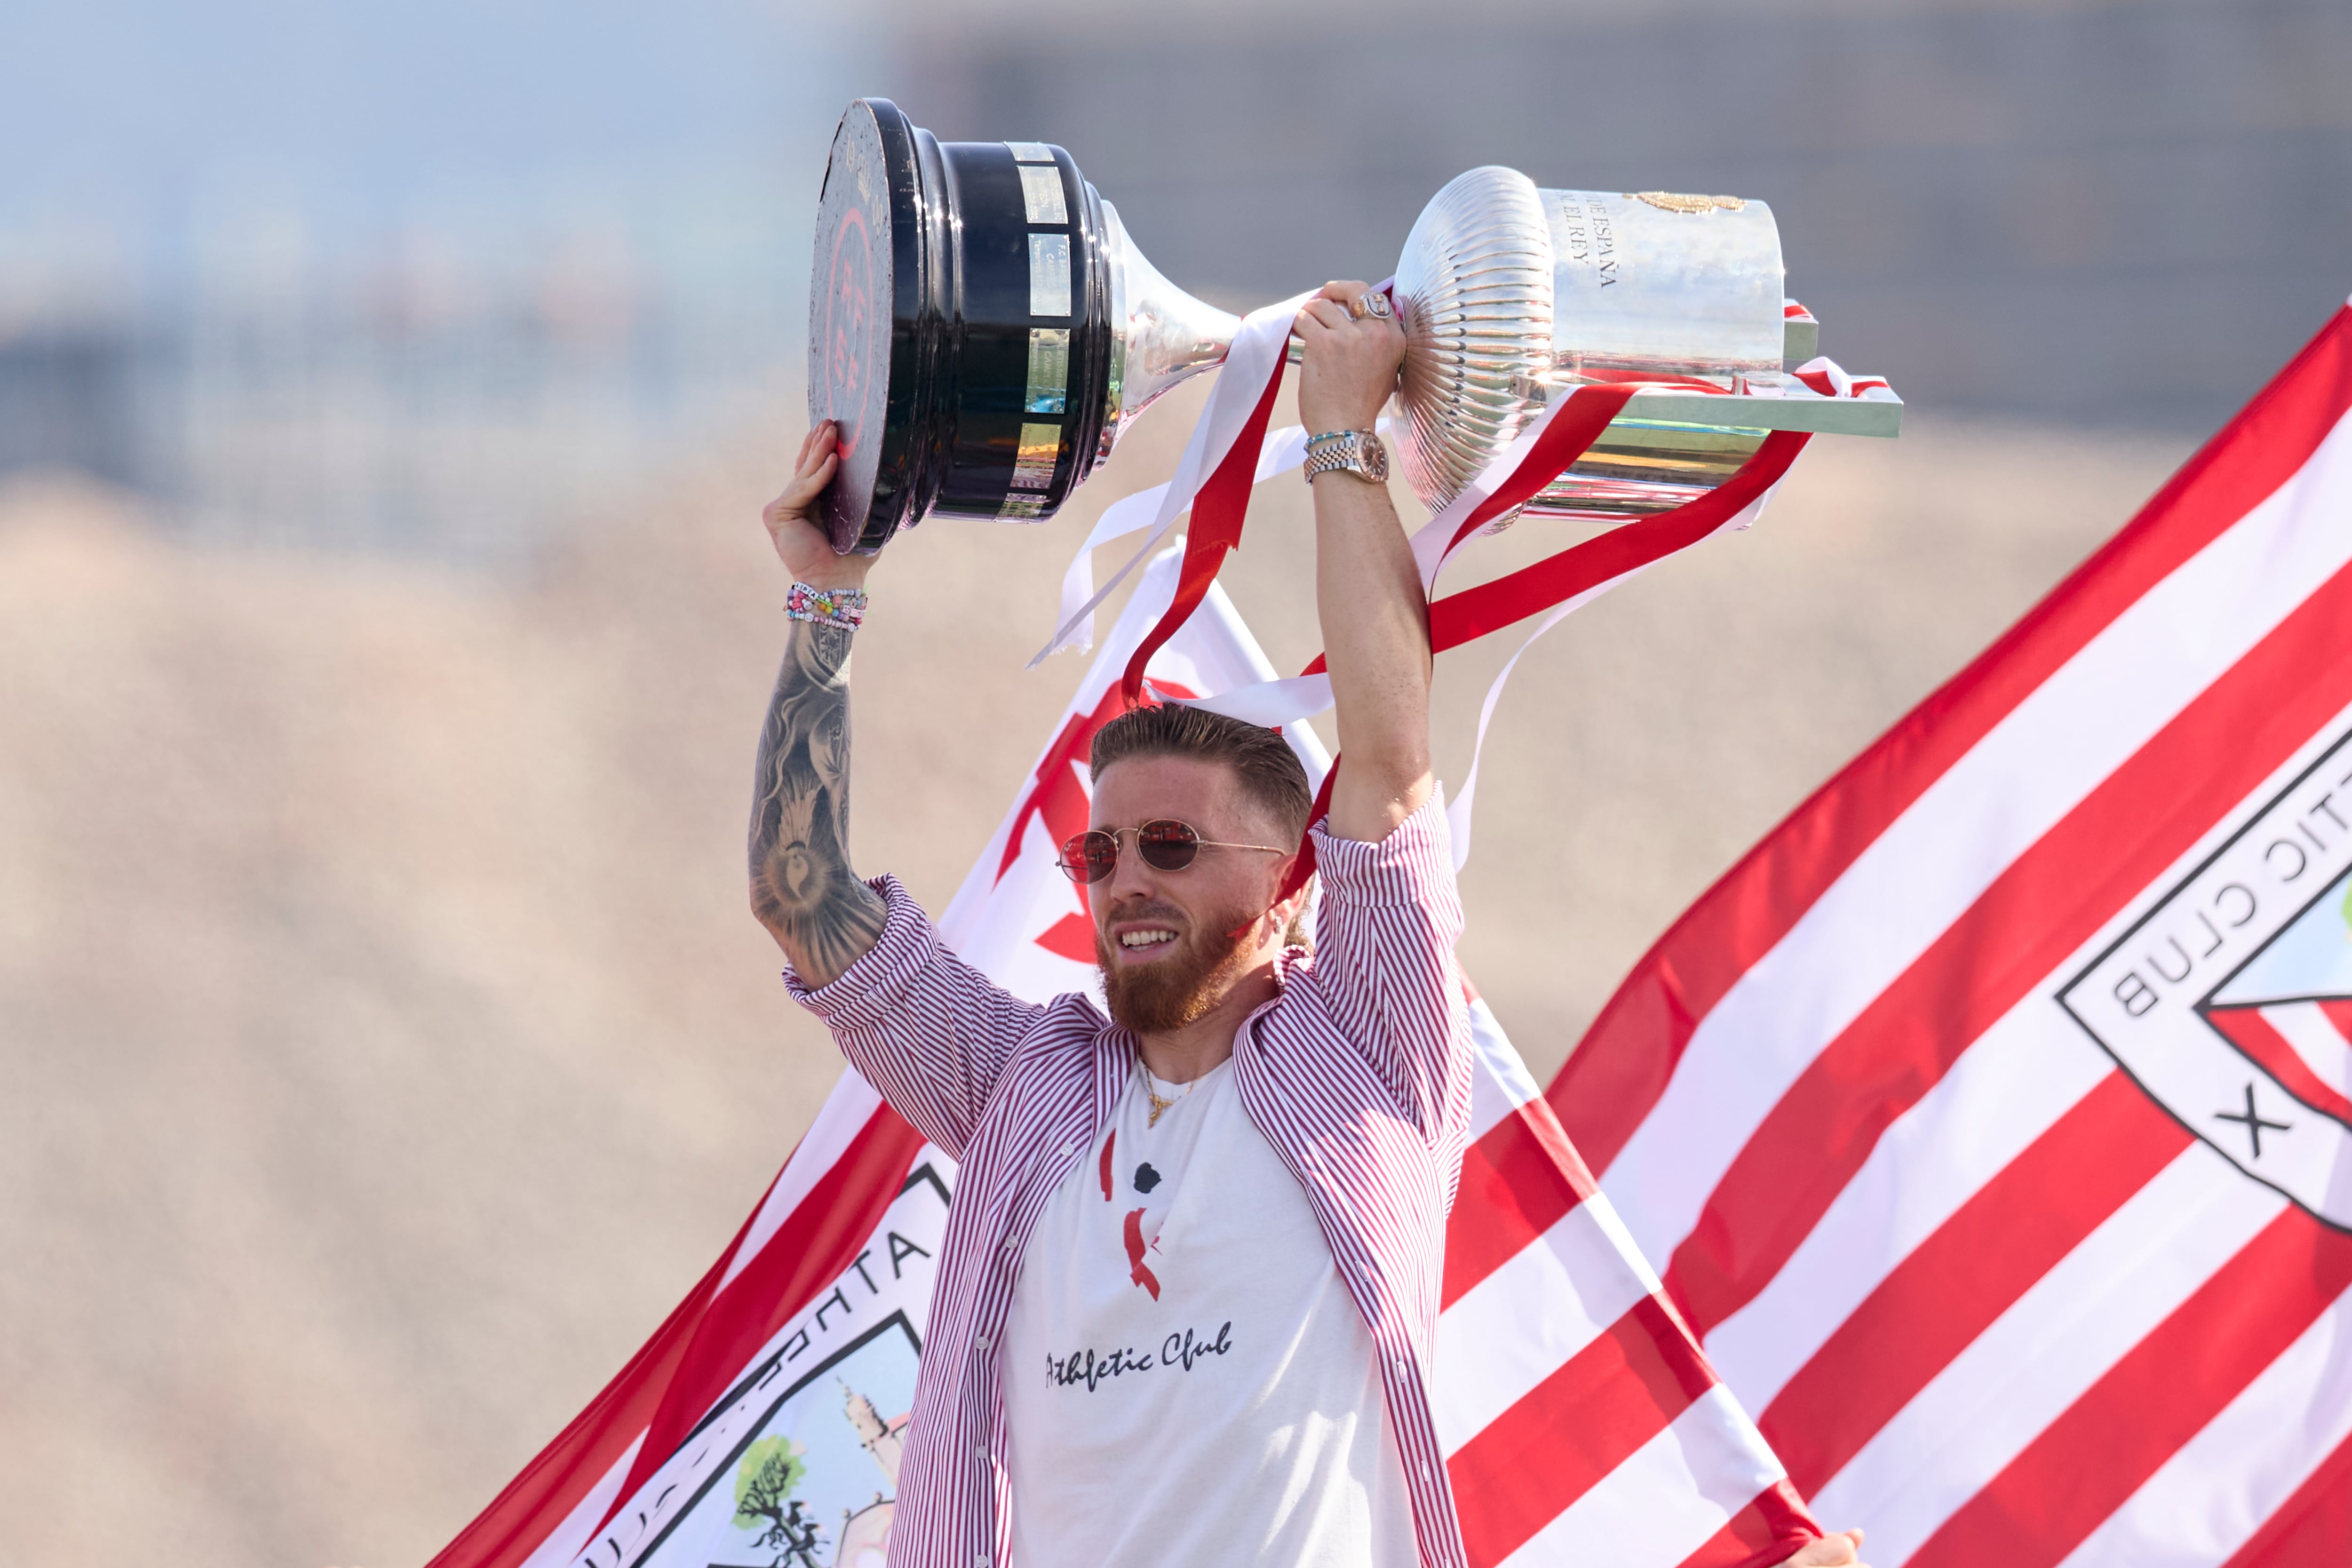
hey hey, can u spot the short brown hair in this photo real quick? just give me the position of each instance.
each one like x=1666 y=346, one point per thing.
x=1269 y=773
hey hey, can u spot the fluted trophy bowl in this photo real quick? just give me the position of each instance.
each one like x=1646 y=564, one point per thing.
x=984 y=332
x=1512 y=293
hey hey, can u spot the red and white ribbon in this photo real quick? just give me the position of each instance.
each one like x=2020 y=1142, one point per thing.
x=1458 y=809
x=1565 y=582
x=1831 y=378
x=1216 y=473
x=1282 y=452
x=1434 y=543
x=1276 y=702
x=1238 y=403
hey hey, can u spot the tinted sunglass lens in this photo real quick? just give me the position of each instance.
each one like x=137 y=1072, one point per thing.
x=1169 y=846
x=1089 y=857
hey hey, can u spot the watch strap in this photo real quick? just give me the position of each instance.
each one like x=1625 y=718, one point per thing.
x=1357 y=452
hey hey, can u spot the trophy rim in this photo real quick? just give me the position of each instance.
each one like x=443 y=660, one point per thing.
x=963 y=431
x=865 y=506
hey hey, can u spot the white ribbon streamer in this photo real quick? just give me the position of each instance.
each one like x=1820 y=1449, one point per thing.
x=1430 y=552
x=1458 y=810
x=1840 y=381
x=1254 y=359
x=1074 y=621
x=1273 y=704
x=1279 y=702
x=1284 y=450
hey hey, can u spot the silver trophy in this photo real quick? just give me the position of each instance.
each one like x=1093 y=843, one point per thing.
x=986 y=332
x=1512 y=294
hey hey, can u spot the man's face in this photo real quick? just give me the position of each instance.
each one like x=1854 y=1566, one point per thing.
x=1173 y=942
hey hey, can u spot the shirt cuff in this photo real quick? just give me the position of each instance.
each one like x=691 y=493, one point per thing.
x=1405 y=867
x=861 y=992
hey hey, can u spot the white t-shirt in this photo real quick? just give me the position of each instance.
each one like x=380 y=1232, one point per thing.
x=1186 y=1381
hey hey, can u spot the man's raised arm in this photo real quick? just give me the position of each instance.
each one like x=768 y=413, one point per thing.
x=802 y=889
x=1375 y=620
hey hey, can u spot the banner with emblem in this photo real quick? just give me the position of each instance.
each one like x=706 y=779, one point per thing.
x=1991 y=1121
x=760 y=1426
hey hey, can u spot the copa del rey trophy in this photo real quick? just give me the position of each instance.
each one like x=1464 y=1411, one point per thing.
x=984 y=332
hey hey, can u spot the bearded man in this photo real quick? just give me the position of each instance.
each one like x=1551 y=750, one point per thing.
x=1189 y=1286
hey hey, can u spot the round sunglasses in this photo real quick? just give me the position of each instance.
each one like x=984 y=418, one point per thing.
x=1165 y=843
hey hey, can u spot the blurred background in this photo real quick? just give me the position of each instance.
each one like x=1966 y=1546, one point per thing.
x=386 y=396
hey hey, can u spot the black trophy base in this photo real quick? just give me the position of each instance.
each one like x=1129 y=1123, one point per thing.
x=960 y=326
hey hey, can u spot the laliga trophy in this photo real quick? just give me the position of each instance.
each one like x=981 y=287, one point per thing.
x=984 y=332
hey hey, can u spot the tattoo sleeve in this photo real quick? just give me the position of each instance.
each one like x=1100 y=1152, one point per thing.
x=802 y=889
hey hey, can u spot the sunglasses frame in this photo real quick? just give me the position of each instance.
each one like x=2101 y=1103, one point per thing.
x=1085 y=873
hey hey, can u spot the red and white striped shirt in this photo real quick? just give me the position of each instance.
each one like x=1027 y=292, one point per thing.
x=1358 y=1073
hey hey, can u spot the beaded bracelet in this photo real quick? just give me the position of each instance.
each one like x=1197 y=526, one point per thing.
x=843 y=607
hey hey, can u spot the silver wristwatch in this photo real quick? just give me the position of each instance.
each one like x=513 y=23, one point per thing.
x=1357 y=452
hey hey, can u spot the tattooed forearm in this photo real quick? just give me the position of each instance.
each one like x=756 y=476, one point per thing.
x=801 y=886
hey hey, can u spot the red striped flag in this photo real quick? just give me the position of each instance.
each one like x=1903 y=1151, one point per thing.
x=1579 y=1420
x=1991 y=1121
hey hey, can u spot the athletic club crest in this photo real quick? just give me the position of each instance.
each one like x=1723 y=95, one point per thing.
x=2231 y=1001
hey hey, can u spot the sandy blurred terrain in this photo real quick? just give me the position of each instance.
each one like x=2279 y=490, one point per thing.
x=384 y=1045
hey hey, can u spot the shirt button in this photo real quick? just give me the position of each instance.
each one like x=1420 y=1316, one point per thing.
x=981 y=1344
x=980 y=1451
x=1068 y=1149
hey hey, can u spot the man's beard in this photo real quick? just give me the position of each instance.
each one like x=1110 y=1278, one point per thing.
x=1181 y=989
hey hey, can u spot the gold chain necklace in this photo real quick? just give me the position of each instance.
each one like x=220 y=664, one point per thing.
x=1159 y=1103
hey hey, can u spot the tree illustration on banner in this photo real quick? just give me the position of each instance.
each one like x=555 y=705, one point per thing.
x=770 y=1472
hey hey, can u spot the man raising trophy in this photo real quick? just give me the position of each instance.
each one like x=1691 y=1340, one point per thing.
x=1187 y=1304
